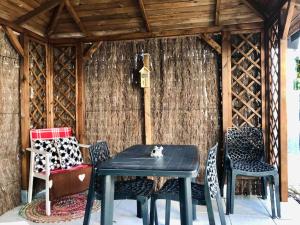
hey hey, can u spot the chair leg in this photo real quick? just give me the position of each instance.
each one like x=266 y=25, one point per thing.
x=153 y=212
x=232 y=192
x=228 y=191
x=89 y=205
x=272 y=194
x=276 y=183
x=222 y=183
x=144 y=210
x=138 y=209
x=30 y=185
x=48 y=203
x=220 y=209
x=209 y=207
x=194 y=212
x=264 y=185
x=168 y=211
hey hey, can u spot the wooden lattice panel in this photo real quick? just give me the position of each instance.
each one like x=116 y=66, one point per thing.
x=273 y=78
x=64 y=86
x=246 y=80
x=37 y=84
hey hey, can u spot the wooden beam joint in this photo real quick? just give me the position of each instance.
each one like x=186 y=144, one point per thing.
x=14 y=40
x=48 y=5
x=89 y=53
x=144 y=14
x=211 y=42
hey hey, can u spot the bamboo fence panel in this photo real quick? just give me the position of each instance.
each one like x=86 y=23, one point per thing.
x=10 y=180
x=64 y=86
x=184 y=94
x=37 y=84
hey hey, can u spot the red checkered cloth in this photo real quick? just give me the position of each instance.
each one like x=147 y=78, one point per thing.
x=51 y=133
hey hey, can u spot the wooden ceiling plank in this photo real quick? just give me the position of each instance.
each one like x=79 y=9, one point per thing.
x=288 y=19
x=144 y=14
x=41 y=9
x=14 y=40
x=89 y=53
x=255 y=8
x=211 y=42
x=56 y=15
x=75 y=16
x=217 y=13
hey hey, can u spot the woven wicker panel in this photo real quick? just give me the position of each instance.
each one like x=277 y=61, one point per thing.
x=10 y=180
x=246 y=80
x=37 y=84
x=273 y=82
x=64 y=86
x=184 y=94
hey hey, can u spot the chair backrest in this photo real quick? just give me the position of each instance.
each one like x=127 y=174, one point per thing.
x=245 y=143
x=99 y=152
x=211 y=175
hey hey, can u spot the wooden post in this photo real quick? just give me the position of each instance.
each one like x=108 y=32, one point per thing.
x=147 y=105
x=25 y=121
x=263 y=85
x=226 y=81
x=49 y=85
x=80 y=93
x=283 y=123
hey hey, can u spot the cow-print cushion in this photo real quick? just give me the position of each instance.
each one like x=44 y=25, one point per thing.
x=40 y=160
x=68 y=150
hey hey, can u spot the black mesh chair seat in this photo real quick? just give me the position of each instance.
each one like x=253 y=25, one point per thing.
x=131 y=189
x=139 y=189
x=201 y=194
x=245 y=156
x=253 y=166
x=170 y=190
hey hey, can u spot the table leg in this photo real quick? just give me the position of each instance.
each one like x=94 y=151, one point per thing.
x=185 y=197
x=107 y=203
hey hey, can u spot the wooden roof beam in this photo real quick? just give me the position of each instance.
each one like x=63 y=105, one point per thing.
x=255 y=8
x=55 y=18
x=211 y=42
x=41 y=9
x=75 y=17
x=217 y=12
x=89 y=53
x=143 y=11
x=288 y=16
x=14 y=40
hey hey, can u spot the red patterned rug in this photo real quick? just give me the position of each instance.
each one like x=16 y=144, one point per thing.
x=63 y=209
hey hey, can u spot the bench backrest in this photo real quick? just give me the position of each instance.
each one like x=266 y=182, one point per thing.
x=50 y=133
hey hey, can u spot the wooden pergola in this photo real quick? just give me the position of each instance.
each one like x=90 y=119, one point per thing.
x=44 y=32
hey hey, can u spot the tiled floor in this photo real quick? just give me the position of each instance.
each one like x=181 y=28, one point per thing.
x=248 y=211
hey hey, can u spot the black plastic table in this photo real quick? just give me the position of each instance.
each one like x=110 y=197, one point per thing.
x=180 y=161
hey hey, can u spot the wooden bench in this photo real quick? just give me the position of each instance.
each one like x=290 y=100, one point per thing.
x=59 y=180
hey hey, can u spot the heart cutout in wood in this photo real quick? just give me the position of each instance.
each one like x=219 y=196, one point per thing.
x=81 y=177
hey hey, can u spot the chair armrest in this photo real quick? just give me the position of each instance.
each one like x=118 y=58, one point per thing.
x=83 y=146
x=38 y=151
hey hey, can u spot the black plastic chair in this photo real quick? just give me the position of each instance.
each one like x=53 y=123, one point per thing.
x=139 y=189
x=201 y=194
x=245 y=156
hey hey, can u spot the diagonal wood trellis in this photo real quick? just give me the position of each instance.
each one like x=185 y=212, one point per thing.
x=273 y=85
x=247 y=77
x=246 y=80
x=37 y=84
x=64 y=86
